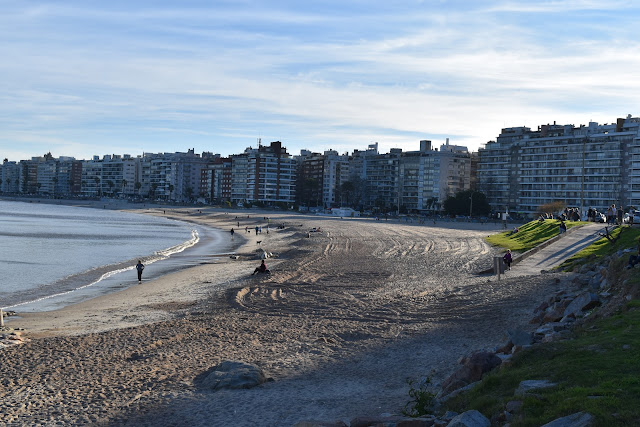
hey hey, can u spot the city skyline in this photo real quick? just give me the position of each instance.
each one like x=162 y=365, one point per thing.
x=84 y=79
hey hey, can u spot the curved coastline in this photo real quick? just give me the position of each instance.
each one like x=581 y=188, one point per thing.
x=105 y=279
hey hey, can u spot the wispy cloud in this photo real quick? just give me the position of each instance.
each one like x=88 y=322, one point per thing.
x=80 y=79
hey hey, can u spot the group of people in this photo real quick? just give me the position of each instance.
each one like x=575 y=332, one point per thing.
x=614 y=216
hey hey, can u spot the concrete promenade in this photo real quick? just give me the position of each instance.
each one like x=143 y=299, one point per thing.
x=564 y=247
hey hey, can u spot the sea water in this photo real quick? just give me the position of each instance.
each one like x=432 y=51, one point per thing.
x=54 y=255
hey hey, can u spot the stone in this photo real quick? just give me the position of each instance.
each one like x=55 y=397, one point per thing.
x=233 y=374
x=366 y=421
x=320 y=424
x=532 y=385
x=471 y=418
x=520 y=337
x=579 y=419
x=584 y=301
x=472 y=370
x=514 y=406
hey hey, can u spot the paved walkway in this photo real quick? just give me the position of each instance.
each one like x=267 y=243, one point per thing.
x=556 y=253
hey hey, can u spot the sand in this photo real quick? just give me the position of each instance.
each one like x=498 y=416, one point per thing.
x=347 y=316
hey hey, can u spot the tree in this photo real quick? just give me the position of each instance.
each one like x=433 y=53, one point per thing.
x=188 y=192
x=467 y=202
x=347 y=190
x=97 y=180
x=137 y=186
x=55 y=184
x=111 y=185
x=171 y=187
x=124 y=184
x=152 y=190
x=0 y=184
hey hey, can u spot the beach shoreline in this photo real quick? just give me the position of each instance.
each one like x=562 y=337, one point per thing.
x=348 y=315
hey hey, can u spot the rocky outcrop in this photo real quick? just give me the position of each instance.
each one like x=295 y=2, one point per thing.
x=471 y=418
x=580 y=419
x=232 y=374
x=471 y=371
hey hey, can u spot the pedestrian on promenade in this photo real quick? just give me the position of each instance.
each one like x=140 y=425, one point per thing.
x=139 y=267
x=508 y=258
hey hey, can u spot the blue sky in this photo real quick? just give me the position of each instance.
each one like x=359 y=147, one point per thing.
x=83 y=78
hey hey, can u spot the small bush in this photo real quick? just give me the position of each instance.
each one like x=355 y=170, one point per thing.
x=422 y=398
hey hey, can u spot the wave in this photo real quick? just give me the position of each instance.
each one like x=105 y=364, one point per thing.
x=112 y=270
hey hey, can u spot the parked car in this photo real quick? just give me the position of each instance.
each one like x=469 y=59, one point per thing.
x=600 y=217
x=636 y=217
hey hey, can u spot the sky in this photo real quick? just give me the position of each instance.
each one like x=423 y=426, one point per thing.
x=85 y=78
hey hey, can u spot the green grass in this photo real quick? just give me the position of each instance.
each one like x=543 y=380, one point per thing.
x=597 y=372
x=626 y=237
x=530 y=235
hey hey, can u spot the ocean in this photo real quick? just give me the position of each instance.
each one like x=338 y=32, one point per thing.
x=54 y=255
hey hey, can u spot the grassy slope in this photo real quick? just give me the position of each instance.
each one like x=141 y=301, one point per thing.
x=598 y=371
x=530 y=235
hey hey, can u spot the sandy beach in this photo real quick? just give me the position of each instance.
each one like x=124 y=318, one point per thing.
x=347 y=316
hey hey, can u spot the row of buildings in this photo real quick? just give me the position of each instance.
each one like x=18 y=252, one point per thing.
x=267 y=174
x=585 y=166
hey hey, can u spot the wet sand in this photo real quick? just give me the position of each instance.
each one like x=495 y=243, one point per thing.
x=348 y=315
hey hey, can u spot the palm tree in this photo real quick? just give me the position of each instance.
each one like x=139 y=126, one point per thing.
x=137 y=186
x=171 y=187
x=110 y=184
x=97 y=180
x=152 y=191
x=0 y=184
x=124 y=184
x=55 y=184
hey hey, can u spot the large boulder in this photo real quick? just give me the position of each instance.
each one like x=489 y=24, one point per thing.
x=233 y=374
x=471 y=418
x=471 y=371
x=584 y=301
x=579 y=419
x=529 y=386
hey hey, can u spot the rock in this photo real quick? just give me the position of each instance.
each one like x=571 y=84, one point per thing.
x=320 y=424
x=584 y=301
x=579 y=419
x=514 y=406
x=471 y=418
x=390 y=421
x=519 y=337
x=472 y=370
x=532 y=385
x=234 y=375
x=553 y=314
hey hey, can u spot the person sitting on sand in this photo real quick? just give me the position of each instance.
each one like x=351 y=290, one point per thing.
x=261 y=269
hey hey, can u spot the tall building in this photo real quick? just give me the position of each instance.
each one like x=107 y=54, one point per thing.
x=10 y=177
x=320 y=177
x=585 y=166
x=266 y=174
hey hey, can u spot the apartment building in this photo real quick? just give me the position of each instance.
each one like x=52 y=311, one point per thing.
x=10 y=177
x=265 y=174
x=586 y=166
x=216 y=180
x=320 y=177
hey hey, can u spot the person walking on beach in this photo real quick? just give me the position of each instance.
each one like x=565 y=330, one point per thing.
x=232 y=233
x=508 y=259
x=139 y=267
